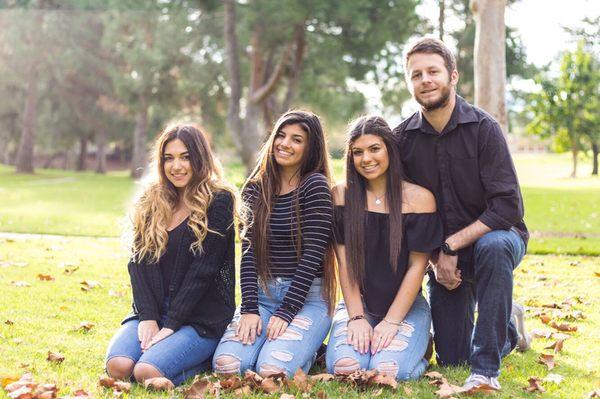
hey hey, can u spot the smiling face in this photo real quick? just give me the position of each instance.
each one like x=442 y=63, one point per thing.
x=176 y=164
x=429 y=80
x=289 y=145
x=370 y=156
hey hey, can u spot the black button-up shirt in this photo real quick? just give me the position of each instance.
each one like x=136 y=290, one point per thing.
x=467 y=167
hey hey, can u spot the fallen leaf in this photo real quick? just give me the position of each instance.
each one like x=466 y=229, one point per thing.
x=384 y=379
x=20 y=283
x=408 y=391
x=106 y=382
x=159 y=384
x=87 y=285
x=323 y=377
x=270 y=385
x=17 y=341
x=300 y=381
x=84 y=326
x=552 y=306
x=554 y=378
x=8 y=379
x=45 y=277
x=446 y=389
x=377 y=393
x=117 y=294
x=231 y=382
x=434 y=375
x=287 y=396
x=544 y=318
x=321 y=395
x=252 y=379
x=24 y=392
x=548 y=360
x=70 y=270
x=597 y=274
x=243 y=391
x=122 y=386
x=9 y=322
x=541 y=334
x=563 y=327
x=534 y=385
x=198 y=389
x=594 y=394
x=556 y=345
x=55 y=357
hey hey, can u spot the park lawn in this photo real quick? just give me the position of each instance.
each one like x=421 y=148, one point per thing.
x=562 y=213
x=47 y=314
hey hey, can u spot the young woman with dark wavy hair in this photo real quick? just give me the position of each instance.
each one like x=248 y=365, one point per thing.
x=385 y=229
x=182 y=264
x=287 y=275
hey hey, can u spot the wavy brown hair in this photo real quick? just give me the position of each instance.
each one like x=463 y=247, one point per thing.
x=154 y=208
x=355 y=197
x=267 y=178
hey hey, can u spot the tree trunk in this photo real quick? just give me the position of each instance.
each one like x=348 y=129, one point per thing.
x=442 y=17
x=595 y=150
x=25 y=153
x=490 y=58
x=100 y=152
x=83 y=142
x=574 y=152
x=140 y=135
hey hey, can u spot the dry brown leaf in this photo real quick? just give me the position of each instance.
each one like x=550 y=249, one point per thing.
x=24 y=392
x=122 y=386
x=159 y=384
x=87 y=285
x=252 y=379
x=544 y=318
x=9 y=322
x=548 y=360
x=231 y=382
x=270 y=385
x=199 y=388
x=556 y=345
x=45 y=277
x=552 y=306
x=434 y=375
x=323 y=377
x=287 y=396
x=384 y=379
x=594 y=394
x=321 y=395
x=446 y=389
x=20 y=283
x=84 y=326
x=300 y=381
x=106 y=382
x=563 y=327
x=541 y=334
x=243 y=391
x=535 y=385
x=70 y=270
x=597 y=274
x=55 y=357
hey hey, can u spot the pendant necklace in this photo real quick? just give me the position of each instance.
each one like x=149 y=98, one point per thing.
x=378 y=199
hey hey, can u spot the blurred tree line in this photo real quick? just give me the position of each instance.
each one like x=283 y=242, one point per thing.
x=566 y=108
x=102 y=77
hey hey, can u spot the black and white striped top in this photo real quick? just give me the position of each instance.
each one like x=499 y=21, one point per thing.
x=316 y=212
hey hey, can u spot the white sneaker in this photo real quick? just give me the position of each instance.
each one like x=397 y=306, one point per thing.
x=481 y=382
x=517 y=315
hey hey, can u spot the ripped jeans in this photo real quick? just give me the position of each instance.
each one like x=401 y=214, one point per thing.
x=404 y=356
x=295 y=348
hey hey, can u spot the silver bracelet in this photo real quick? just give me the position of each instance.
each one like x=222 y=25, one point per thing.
x=394 y=323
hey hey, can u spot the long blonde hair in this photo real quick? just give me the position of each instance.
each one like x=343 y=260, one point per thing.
x=154 y=208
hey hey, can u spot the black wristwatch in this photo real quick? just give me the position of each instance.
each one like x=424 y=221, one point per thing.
x=447 y=250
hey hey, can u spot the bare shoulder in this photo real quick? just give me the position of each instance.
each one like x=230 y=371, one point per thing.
x=338 y=192
x=417 y=199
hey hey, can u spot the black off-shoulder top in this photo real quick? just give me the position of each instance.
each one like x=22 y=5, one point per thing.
x=421 y=232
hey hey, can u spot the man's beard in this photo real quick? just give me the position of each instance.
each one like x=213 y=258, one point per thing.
x=440 y=102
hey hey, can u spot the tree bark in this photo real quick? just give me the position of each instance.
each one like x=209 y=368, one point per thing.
x=595 y=151
x=490 y=58
x=574 y=152
x=441 y=18
x=140 y=135
x=81 y=164
x=100 y=152
x=25 y=153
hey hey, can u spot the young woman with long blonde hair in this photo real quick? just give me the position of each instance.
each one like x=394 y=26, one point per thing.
x=182 y=265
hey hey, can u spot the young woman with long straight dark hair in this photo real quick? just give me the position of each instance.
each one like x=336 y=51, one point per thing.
x=385 y=229
x=287 y=275
x=182 y=265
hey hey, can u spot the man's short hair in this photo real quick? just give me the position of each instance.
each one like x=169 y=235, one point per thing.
x=429 y=45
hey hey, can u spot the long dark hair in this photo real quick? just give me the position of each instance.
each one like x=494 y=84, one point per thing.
x=267 y=178
x=355 y=197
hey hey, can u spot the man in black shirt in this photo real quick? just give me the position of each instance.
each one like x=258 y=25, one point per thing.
x=458 y=152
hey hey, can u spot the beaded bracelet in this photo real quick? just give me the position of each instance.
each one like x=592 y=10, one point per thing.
x=357 y=317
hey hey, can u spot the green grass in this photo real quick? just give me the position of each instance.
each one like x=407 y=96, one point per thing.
x=563 y=210
x=46 y=313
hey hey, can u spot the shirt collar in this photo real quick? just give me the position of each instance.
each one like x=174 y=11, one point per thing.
x=463 y=112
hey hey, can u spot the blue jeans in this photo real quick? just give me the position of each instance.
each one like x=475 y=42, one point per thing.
x=295 y=348
x=403 y=358
x=489 y=283
x=178 y=357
